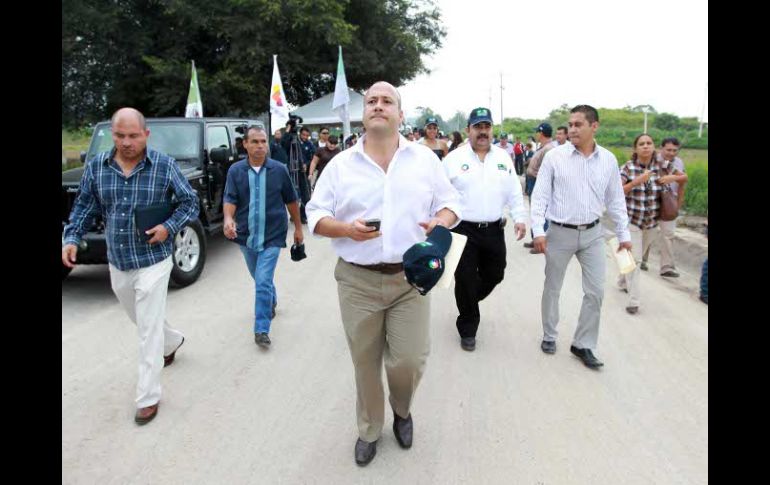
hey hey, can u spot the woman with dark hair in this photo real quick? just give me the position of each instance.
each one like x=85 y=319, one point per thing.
x=640 y=177
x=322 y=157
x=431 y=139
x=457 y=140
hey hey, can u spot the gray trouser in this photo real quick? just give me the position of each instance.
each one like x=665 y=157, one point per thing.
x=384 y=319
x=588 y=247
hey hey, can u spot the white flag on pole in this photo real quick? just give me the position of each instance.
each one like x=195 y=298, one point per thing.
x=342 y=98
x=279 y=109
x=194 y=103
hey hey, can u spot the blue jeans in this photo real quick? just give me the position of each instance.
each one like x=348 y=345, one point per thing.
x=262 y=268
x=529 y=185
x=704 y=280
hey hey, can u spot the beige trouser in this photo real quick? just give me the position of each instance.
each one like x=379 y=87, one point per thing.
x=383 y=316
x=142 y=292
x=666 y=246
x=641 y=240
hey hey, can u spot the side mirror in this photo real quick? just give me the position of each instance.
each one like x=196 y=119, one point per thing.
x=83 y=157
x=219 y=155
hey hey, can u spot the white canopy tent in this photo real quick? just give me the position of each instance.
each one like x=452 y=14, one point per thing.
x=319 y=112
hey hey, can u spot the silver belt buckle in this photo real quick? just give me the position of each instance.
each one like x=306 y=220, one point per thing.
x=582 y=228
x=483 y=224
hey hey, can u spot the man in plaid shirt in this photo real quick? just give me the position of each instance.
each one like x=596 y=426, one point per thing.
x=114 y=184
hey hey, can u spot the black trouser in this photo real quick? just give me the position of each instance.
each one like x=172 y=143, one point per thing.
x=481 y=268
x=519 y=164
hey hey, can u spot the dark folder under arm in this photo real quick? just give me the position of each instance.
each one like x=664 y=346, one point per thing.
x=147 y=217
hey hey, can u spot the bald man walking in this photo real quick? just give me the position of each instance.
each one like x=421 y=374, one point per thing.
x=116 y=184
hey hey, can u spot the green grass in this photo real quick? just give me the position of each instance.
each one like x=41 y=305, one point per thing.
x=75 y=141
x=72 y=143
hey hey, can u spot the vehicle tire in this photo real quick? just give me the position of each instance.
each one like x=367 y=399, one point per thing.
x=189 y=255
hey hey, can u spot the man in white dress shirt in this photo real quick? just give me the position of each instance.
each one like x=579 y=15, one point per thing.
x=402 y=185
x=485 y=176
x=574 y=183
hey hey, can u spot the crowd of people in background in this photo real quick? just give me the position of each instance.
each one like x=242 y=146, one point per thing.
x=645 y=177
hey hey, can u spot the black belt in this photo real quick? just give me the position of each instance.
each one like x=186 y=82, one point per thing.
x=481 y=225
x=581 y=227
x=385 y=268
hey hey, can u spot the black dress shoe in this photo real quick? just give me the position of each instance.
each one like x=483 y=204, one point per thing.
x=403 y=429
x=262 y=340
x=549 y=347
x=365 y=452
x=632 y=310
x=587 y=357
x=169 y=359
x=468 y=343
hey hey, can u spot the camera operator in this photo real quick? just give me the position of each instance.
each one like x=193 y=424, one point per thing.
x=301 y=151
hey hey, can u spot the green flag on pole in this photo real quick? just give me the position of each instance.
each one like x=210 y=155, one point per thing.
x=194 y=103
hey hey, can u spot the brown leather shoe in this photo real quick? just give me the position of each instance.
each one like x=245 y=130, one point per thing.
x=145 y=415
x=168 y=359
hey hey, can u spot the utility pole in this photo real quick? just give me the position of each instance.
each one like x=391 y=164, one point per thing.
x=703 y=110
x=490 y=96
x=501 y=101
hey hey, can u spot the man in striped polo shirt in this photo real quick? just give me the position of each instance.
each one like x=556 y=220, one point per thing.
x=257 y=190
x=574 y=184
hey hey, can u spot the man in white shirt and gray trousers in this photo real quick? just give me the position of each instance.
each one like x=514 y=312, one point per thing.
x=486 y=178
x=574 y=184
x=402 y=185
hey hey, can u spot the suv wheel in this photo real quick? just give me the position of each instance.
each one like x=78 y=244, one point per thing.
x=189 y=255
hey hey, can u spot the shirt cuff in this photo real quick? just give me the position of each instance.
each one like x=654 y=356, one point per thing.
x=314 y=217
x=71 y=240
x=456 y=210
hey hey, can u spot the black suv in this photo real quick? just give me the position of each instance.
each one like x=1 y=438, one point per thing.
x=204 y=148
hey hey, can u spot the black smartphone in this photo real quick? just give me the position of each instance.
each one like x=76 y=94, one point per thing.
x=375 y=223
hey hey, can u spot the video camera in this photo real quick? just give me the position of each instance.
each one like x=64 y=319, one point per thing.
x=293 y=122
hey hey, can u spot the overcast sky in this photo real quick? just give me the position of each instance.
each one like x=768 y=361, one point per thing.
x=606 y=53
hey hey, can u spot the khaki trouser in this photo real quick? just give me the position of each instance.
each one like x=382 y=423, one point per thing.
x=641 y=240
x=142 y=292
x=383 y=316
x=667 y=262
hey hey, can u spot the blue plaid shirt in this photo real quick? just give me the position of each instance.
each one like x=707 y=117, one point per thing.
x=105 y=189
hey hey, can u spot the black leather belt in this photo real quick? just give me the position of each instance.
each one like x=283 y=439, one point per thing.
x=581 y=227
x=481 y=225
x=384 y=268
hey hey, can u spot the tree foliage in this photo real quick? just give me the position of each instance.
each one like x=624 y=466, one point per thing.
x=138 y=52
